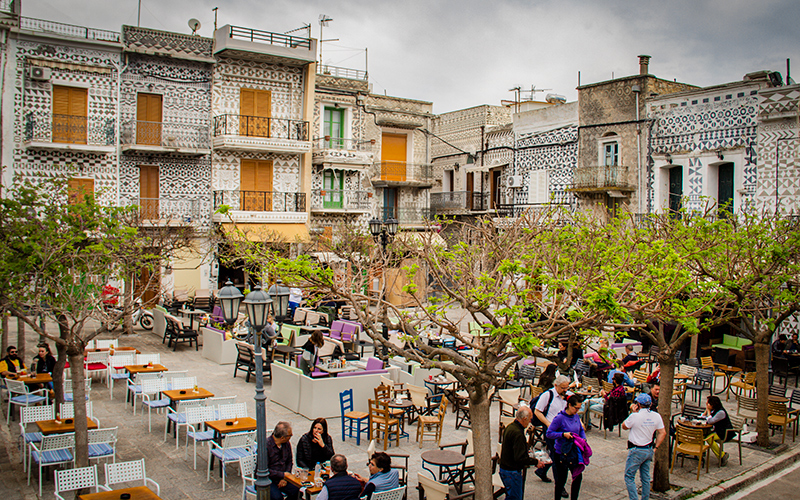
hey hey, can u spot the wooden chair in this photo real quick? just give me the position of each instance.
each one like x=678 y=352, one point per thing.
x=737 y=423
x=381 y=421
x=384 y=394
x=640 y=376
x=607 y=386
x=679 y=395
x=707 y=363
x=436 y=421
x=505 y=421
x=536 y=391
x=744 y=382
x=779 y=417
x=434 y=490
x=747 y=408
x=468 y=467
x=508 y=398
x=690 y=441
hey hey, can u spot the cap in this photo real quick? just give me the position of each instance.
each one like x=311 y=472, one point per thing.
x=644 y=399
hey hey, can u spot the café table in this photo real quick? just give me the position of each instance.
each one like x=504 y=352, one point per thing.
x=401 y=404
x=136 y=493
x=729 y=371
x=333 y=370
x=311 y=490
x=176 y=395
x=229 y=425
x=445 y=460
x=121 y=349
x=36 y=378
x=47 y=427
x=191 y=313
x=286 y=351
x=438 y=384
x=778 y=399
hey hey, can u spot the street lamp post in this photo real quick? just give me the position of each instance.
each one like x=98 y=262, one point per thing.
x=280 y=303
x=383 y=232
x=258 y=305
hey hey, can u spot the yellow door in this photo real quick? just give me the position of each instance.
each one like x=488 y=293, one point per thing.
x=78 y=189
x=69 y=114
x=256 y=185
x=393 y=157
x=255 y=108
x=148 y=191
x=148 y=119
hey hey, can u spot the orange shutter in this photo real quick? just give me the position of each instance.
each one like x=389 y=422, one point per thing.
x=393 y=157
x=255 y=108
x=69 y=114
x=148 y=191
x=148 y=119
x=78 y=189
x=256 y=185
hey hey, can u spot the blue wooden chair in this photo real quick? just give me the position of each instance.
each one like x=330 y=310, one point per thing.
x=352 y=421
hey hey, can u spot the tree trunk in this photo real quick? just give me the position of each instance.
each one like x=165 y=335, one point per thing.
x=75 y=352
x=762 y=391
x=666 y=360
x=20 y=339
x=127 y=308
x=479 y=407
x=5 y=334
x=61 y=361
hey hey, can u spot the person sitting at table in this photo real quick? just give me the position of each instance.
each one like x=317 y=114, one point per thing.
x=716 y=415
x=792 y=345
x=779 y=346
x=604 y=359
x=564 y=352
x=626 y=379
x=631 y=360
x=615 y=410
x=315 y=446
x=381 y=475
x=341 y=485
x=44 y=362
x=655 y=390
x=279 y=457
x=11 y=364
x=311 y=352
x=547 y=377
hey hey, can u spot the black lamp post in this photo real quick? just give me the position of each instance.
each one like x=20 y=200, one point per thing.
x=280 y=301
x=383 y=232
x=258 y=305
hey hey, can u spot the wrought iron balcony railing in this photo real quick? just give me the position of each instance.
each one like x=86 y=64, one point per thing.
x=454 y=201
x=352 y=74
x=336 y=199
x=166 y=134
x=170 y=208
x=259 y=36
x=602 y=177
x=69 y=30
x=261 y=201
x=406 y=215
x=517 y=210
x=328 y=142
x=399 y=171
x=260 y=126
x=70 y=129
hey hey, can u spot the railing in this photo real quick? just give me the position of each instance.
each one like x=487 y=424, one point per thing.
x=602 y=176
x=517 y=210
x=167 y=134
x=334 y=199
x=70 y=129
x=259 y=36
x=346 y=144
x=406 y=215
x=168 y=208
x=70 y=30
x=404 y=172
x=261 y=201
x=259 y=126
x=458 y=200
x=352 y=74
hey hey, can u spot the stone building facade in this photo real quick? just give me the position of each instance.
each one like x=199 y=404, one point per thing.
x=777 y=186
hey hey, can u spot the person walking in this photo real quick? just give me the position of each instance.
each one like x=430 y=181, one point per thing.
x=643 y=424
x=566 y=430
x=550 y=404
x=514 y=456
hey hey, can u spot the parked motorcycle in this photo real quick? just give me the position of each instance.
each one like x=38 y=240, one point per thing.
x=139 y=315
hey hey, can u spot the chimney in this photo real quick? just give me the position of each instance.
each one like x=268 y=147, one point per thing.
x=644 y=62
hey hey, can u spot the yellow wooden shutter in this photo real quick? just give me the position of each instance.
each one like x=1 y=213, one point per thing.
x=148 y=191
x=148 y=118
x=255 y=108
x=256 y=185
x=79 y=189
x=69 y=114
x=393 y=157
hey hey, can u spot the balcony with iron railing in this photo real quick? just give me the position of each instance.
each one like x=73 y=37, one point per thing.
x=603 y=178
x=252 y=43
x=339 y=150
x=260 y=133
x=340 y=200
x=171 y=210
x=45 y=130
x=260 y=206
x=398 y=173
x=405 y=215
x=139 y=135
x=43 y=27
x=335 y=71
x=458 y=201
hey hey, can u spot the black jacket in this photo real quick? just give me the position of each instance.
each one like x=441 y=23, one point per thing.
x=514 y=453
x=310 y=453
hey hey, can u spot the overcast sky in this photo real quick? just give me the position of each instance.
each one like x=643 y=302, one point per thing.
x=463 y=53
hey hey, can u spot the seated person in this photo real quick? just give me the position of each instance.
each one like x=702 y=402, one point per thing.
x=311 y=352
x=315 y=446
x=563 y=353
x=655 y=390
x=779 y=346
x=341 y=485
x=381 y=475
x=626 y=379
x=615 y=410
x=655 y=376
x=792 y=345
x=12 y=364
x=44 y=362
x=547 y=377
x=631 y=361
x=279 y=455
x=605 y=358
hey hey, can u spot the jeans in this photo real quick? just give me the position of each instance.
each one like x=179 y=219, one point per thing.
x=638 y=460
x=512 y=480
x=561 y=473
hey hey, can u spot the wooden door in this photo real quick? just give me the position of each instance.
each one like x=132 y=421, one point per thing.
x=148 y=192
x=393 y=157
x=69 y=114
x=470 y=187
x=332 y=185
x=675 y=189
x=148 y=119
x=147 y=283
x=725 y=188
x=256 y=185
x=255 y=108
x=79 y=189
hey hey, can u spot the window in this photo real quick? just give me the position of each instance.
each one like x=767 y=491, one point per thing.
x=332 y=185
x=255 y=108
x=69 y=114
x=675 y=190
x=611 y=154
x=539 y=187
x=79 y=189
x=256 y=185
x=393 y=156
x=148 y=119
x=333 y=128
x=148 y=192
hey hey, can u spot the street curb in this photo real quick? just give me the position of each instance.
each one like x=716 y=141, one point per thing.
x=736 y=484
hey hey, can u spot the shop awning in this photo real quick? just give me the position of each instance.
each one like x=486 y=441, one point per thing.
x=273 y=233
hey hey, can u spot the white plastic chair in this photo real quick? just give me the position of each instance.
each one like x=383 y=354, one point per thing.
x=143 y=359
x=116 y=370
x=67 y=410
x=30 y=415
x=68 y=385
x=234 y=446
x=236 y=410
x=182 y=383
x=195 y=417
x=135 y=387
x=103 y=443
x=96 y=363
x=20 y=395
x=151 y=389
x=105 y=344
x=76 y=479
x=177 y=417
x=220 y=401
x=172 y=374
x=394 y=494
x=53 y=450
x=124 y=472
x=247 y=465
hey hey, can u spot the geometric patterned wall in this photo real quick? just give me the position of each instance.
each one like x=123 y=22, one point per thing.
x=779 y=141
x=553 y=150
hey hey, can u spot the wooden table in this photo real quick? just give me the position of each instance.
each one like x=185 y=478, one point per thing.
x=445 y=460
x=187 y=394
x=134 y=369
x=221 y=426
x=778 y=399
x=286 y=350
x=126 y=350
x=192 y=313
x=136 y=493
x=51 y=427
x=38 y=378
x=729 y=371
x=310 y=490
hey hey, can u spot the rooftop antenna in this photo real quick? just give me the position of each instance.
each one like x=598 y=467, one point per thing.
x=139 y=15
x=195 y=25
x=306 y=27
x=533 y=91
x=323 y=21
x=215 y=9
x=516 y=91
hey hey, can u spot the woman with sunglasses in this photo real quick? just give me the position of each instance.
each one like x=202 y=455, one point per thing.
x=564 y=428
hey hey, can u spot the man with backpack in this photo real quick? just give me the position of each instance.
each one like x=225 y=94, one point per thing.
x=546 y=406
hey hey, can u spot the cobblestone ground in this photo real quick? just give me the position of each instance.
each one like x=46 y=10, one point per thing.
x=172 y=469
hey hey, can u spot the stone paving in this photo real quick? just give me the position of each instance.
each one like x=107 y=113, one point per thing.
x=603 y=479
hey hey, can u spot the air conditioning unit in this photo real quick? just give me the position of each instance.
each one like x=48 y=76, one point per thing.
x=515 y=181
x=38 y=73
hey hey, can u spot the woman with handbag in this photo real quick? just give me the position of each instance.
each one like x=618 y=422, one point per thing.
x=570 y=447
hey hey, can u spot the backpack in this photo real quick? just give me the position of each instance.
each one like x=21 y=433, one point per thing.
x=535 y=421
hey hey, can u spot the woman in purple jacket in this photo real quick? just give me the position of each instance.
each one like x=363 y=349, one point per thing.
x=564 y=427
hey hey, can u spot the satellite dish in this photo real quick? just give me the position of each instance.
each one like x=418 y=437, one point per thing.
x=194 y=24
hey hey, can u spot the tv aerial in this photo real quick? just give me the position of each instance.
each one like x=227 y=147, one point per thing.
x=195 y=25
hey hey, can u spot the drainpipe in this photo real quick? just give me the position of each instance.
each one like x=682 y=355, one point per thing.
x=637 y=90
x=117 y=124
